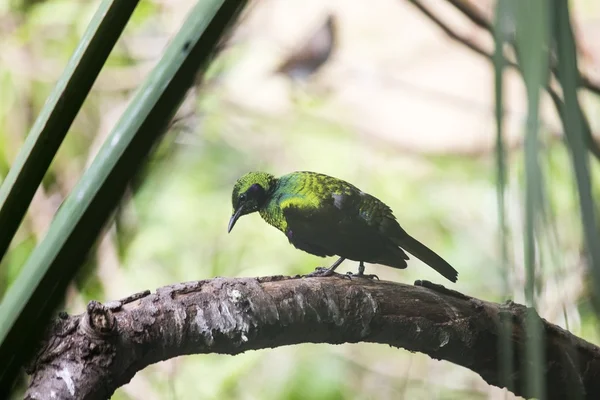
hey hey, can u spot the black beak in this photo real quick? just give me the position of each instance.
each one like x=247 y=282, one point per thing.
x=236 y=215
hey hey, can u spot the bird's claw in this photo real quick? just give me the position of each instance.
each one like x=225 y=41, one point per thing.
x=351 y=275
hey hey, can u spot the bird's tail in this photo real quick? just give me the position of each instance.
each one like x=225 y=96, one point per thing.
x=428 y=256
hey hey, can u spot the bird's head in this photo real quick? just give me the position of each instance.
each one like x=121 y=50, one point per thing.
x=249 y=194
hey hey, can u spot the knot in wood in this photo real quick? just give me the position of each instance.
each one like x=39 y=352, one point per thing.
x=100 y=319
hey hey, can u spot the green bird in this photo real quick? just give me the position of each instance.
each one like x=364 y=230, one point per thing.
x=326 y=216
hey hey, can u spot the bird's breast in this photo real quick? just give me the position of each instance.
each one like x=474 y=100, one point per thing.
x=273 y=215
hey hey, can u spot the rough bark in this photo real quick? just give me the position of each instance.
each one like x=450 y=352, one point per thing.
x=90 y=355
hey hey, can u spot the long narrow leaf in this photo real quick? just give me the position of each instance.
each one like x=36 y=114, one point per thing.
x=32 y=298
x=575 y=130
x=58 y=114
x=532 y=42
x=502 y=20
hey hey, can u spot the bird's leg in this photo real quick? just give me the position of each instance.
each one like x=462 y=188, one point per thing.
x=361 y=273
x=361 y=268
x=336 y=264
x=321 y=271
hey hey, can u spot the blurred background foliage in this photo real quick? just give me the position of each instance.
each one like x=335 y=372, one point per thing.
x=398 y=109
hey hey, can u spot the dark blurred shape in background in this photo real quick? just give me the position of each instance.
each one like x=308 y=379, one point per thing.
x=310 y=55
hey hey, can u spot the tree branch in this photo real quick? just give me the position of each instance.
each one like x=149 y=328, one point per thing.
x=90 y=355
x=480 y=21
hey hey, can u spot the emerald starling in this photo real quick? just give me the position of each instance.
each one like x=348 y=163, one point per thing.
x=326 y=216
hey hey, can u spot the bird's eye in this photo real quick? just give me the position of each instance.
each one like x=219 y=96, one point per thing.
x=243 y=197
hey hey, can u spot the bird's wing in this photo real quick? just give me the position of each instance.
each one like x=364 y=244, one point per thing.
x=348 y=223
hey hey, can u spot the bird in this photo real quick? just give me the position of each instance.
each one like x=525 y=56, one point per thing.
x=327 y=216
x=309 y=57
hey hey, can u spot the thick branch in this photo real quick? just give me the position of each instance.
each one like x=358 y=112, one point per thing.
x=88 y=356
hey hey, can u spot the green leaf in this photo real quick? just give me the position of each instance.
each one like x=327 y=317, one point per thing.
x=503 y=16
x=532 y=42
x=40 y=286
x=58 y=114
x=575 y=128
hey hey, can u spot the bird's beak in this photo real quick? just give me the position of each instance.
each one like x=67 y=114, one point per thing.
x=236 y=215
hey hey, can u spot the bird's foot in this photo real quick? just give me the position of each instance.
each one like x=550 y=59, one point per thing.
x=351 y=275
x=361 y=273
x=320 y=272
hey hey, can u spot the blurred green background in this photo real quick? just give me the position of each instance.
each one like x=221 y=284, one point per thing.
x=399 y=110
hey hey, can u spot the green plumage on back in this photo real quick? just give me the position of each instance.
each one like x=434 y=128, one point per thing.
x=327 y=216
